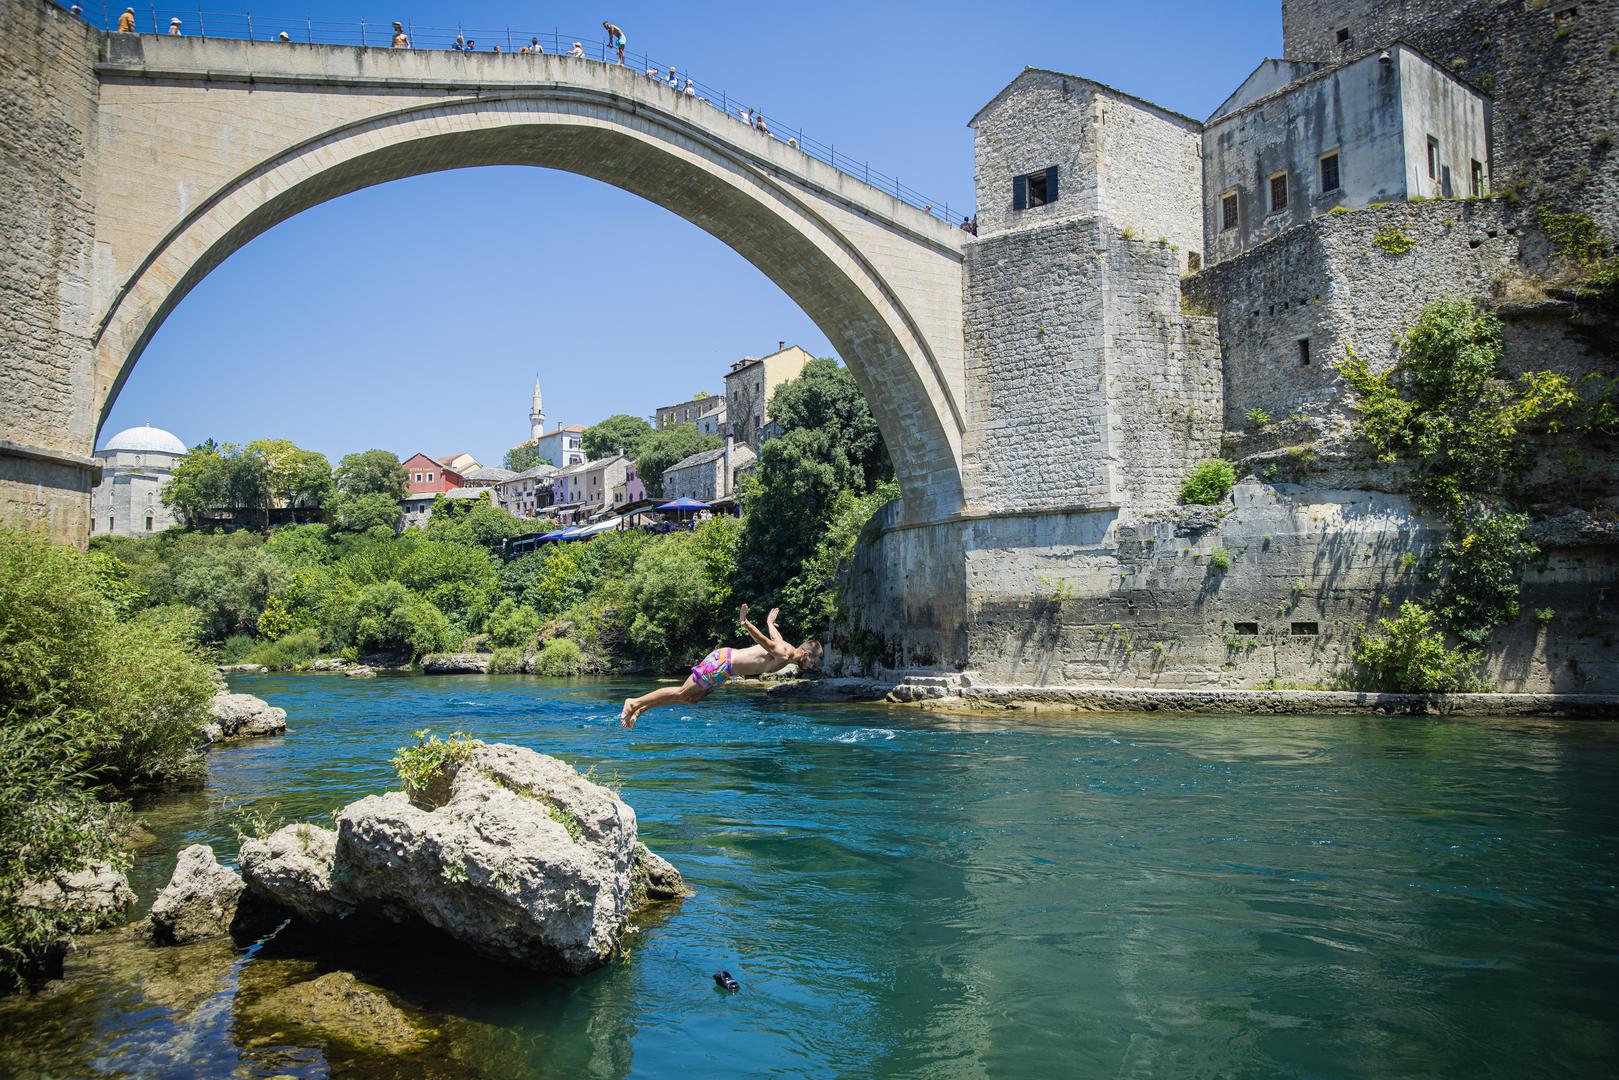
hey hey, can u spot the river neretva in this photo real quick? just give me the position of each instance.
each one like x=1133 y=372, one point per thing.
x=905 y=894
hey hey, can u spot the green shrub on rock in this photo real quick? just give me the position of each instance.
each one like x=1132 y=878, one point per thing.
x=506 y=662
x=1412 y=656
x=1208 y=483
x=559 y=657
x=512 y=625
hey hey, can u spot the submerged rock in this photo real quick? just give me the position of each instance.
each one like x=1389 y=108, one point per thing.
x=243 y=716
x=292 y=868
x=360 y=671
x=456 y=664
x=510 y=853
x=89 y=899
x=338 y=1006
x=199 y=901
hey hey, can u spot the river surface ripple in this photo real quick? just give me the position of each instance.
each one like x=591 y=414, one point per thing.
x=906 y=894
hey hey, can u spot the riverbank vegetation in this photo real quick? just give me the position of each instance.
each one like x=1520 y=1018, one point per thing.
x=622 y=601
x=100 y=693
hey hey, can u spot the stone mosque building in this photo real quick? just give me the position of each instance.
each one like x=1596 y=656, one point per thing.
x=135 y=464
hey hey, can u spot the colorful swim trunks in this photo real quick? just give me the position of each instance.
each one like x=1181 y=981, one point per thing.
x=714 y=669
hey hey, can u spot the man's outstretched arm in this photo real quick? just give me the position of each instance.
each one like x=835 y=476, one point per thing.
x=776 y=646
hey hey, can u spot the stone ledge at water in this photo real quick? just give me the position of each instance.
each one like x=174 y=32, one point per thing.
x=511 y=853
x=456 y=664
x=242 y=716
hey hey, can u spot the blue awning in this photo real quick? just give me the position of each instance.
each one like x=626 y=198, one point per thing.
x=684 y=503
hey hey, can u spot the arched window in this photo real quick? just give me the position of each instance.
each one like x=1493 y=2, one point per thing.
x=148 y=522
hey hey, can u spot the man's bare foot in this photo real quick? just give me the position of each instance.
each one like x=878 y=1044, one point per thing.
x=626 y=716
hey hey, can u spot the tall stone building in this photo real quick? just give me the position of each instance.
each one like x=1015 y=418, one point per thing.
x=748 y=386
x=135 y=465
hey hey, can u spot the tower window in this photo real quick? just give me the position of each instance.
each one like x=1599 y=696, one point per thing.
x=1304 y=352
x=1344 y=36
x=1228 y=210
x=1329 y=171
x=1278 y=192
x=1478 y=179
x=1034 y=189
x=1246 y=629
x=148 y=522
x=1433 y=158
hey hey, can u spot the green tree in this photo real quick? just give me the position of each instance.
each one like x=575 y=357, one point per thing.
x=298 y=478
x=228 y=587
x=666 y=446
x=390 y=618
x=810 y=601
x=680 y=594
x=458 y=579
x=522 y=458
x=372 y=472
x=825 y=397
x=474 y=521
x=362 y=513
x=616 y=434
x=217 y=477
x=512 y=625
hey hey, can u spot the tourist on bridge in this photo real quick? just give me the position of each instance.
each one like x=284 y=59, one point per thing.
x=577 y=50
x=690 y=91
x=615 y=38
x=126 y=21
x=401 y=39
x=284 y=38
x=768 y=653
x=535 y=47
x=174 y=27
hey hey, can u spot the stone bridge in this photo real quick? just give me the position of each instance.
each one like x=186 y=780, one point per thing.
x=153 y=158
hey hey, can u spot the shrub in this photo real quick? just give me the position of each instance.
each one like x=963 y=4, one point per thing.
x=229 y=586
x=1220 y=559
x=288 y=651
x=679 y=592
x=425 y=760
x=506 y=662
x=1258 y=419
x=1412 y=656
x=511 y=625
x=1208 y=483
x=558 y=658
x=236 y=648
x=390 y=618
x=1392 y=240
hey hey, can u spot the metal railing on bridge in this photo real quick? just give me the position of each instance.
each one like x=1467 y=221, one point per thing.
x=197 y=22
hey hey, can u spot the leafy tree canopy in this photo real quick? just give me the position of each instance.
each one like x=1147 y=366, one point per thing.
x=522 y=458
x=825 y=397
x=666 y=446
x=616 y=434
x=372 y=472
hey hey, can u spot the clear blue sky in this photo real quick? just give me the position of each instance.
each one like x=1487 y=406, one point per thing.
x=414 y=315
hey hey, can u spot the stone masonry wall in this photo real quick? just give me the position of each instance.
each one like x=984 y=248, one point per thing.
x=1553 y=78
x=1330 y=283
x=1042 y=119
x=1152 y=174
x=47 y=220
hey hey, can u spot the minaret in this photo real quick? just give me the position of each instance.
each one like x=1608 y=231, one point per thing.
x=536 y=414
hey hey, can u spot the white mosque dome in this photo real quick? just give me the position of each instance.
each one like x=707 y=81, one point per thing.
x=145 y=439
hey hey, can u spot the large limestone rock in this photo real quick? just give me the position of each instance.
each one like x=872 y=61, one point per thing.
x=242 y=716
x=292 y=868
x=338 y=1006
x=84 y=900
x=455 y=664
x=525 y=861
x=511 y=853
x=199 y=901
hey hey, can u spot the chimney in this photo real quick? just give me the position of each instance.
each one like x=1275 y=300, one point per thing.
x=781 y=345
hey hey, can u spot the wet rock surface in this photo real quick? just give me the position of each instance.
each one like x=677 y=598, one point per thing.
x=338 y=1006
x=200 y=900
x=509 y=853
x=242 y=716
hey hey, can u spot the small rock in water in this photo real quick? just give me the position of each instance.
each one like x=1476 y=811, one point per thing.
x=292 y=868
x=84 y=900
x=340 y=1007
x=242 y=716
x=360 y=671
x=199 y=901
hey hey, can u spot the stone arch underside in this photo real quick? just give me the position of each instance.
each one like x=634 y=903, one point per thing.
x=771 y=222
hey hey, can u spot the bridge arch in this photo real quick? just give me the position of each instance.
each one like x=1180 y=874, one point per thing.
x=881 y=279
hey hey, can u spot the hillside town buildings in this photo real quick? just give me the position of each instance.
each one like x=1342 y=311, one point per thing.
x=748 y=386
x=709 y=476
x=708 y=413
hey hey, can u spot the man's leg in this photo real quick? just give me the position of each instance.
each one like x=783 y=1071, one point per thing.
x=688 y=692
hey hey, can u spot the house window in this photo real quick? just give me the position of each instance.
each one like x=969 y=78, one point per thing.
x=1304 y=352
x=1228 y=210
x=1478 y=179
x=429 y=478
x=1034 y=189
x=1433 y=158
x=1329 y=172
x=1278 y=192
x=1344 y=36
x=109 y=525
x=148 y=522
x=418 y=478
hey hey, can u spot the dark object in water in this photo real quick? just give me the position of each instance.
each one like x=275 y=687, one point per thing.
x=725 y=982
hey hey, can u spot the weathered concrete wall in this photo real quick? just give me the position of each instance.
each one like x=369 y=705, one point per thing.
x=1375 y=116
x=1085 y=599
x=1553 y=80
x=48 y=142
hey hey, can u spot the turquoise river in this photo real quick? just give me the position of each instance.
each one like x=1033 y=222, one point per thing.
x=905 y=894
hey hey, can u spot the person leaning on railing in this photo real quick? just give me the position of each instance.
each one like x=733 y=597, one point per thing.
x=126 y=21
x=401 y=39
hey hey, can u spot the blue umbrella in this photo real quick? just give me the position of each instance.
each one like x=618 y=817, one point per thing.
x=684 y=503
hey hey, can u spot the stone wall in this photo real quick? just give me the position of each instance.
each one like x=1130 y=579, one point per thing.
x=1152 y=172
x=1329 y=283
x=1083 y=598
x=1553 y=79
x=47 y=220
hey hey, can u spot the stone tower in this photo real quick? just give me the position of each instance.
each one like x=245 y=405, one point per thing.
x=536 y=412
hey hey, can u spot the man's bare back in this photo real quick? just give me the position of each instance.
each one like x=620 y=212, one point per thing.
x=770 y=652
